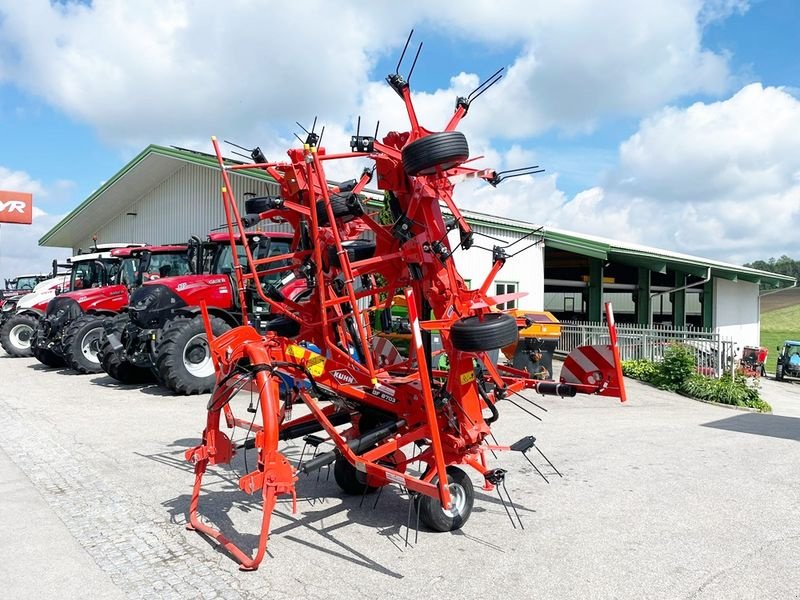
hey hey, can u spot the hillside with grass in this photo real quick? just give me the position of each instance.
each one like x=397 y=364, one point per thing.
x=777 y=326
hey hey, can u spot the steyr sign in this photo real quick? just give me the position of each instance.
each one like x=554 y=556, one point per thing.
x=16 y=207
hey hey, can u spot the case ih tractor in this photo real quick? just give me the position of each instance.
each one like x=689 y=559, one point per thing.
x=389 y=419
x=161 y=332
x=72 y=328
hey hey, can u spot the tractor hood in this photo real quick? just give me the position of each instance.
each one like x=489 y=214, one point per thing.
x=111 y=298
x=39 y=298
x=214 y=290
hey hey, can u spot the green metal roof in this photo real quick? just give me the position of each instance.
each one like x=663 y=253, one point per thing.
x=656 y=259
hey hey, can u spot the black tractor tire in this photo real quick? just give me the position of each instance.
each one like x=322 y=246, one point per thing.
x=779 y=372
x=81 y=344
x=443 y=150
x=462 y=496
x=179 y=362
x=342 y=210
x=16 y=334
x=493 y=331
x=45 y=356
x=356 y=250
x=116 y=366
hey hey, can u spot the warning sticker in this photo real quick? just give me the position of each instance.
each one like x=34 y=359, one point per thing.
x=315 y=363
x=467 y=377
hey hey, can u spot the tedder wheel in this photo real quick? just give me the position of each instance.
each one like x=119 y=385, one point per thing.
x=356 y=250
x=45 y=356
x=341 y=209
x=81 y=344
x=443 y=150
x=117 y=366
x=283 y=326
x=347 y=477
x=16 y=334
x=489 y=332
x=184 y=359
x=462 y=497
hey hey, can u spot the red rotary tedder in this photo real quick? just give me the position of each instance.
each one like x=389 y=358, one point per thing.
x=383 y=412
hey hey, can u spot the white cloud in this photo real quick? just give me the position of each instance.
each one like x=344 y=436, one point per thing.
x=719 y=179
x=19 y=250
x=160 y=71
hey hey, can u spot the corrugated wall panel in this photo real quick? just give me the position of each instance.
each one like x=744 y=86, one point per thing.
x=186 y=203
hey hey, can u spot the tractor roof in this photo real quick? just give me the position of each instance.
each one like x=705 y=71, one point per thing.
x=128 y=252
x=221 y=237
x=791 y=343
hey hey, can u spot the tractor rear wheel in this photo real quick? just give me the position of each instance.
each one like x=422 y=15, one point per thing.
x=443 y=150
x=489 y=332
x=81 y=345
x=462 y=497
x=16 y=334
x=118 y=367
x=184 y=358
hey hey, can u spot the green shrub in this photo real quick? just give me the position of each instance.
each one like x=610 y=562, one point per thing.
x=643 y=370
x=677 y=366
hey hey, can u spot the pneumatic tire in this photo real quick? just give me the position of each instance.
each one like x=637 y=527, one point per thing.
x=184 y=361
x=44 y=355
x=16 y=334
x=356 y=250
x=116 y=366
x=462 y=496
x=489 y=332
x=443 y=150
x=81 y=344
x=342 y=208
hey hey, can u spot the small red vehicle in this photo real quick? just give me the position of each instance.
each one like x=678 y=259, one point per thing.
x=753 y=360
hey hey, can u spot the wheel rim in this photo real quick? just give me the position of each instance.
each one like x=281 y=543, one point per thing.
x=197 y=357
x=90 y=345
x=458 y=500
x=20 y=335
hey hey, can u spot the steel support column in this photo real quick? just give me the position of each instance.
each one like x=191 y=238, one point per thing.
x=643 y=297
x=708 y=304
x=678 y=299
x=594 y=307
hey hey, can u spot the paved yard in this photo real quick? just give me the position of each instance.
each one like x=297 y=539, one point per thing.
x=662 y=497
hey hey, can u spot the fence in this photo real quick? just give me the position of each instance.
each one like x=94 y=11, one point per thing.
x=713 y=353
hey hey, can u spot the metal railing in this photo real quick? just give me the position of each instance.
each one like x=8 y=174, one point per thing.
x=713 y=353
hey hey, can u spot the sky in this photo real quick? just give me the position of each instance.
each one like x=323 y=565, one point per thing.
x=672 y=124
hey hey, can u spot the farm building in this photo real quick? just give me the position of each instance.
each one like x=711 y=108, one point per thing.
x=169 y=194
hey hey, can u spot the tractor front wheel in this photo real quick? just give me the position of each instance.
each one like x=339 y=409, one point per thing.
x=116 y=365
x=16 y=334
x=44 y=355
x=81 y=345
x=779 y=372
x=462 y=497
x=184 y=358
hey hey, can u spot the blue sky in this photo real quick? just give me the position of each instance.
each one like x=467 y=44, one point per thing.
x=67 y=129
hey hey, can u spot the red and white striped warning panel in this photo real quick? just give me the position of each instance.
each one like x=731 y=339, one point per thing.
x=592 y=365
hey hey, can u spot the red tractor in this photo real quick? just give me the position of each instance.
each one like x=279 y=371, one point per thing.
x=161 y=332
x=407 y=422
x=72 y=327
x=94 y=269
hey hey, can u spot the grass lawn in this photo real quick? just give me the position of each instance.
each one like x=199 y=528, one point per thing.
x=776 y=327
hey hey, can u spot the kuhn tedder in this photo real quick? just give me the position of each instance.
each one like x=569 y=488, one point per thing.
x=384 y=413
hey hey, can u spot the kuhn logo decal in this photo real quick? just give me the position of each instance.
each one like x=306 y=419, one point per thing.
x=343 y=376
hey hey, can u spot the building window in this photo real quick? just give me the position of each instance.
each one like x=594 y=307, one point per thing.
x=506 y=287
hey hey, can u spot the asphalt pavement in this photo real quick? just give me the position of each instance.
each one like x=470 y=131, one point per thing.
x=661 y=497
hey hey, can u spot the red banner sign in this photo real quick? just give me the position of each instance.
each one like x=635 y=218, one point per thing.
x=16 y=207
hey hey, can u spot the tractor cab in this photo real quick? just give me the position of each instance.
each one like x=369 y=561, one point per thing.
x=24 y=283
x=788 y=364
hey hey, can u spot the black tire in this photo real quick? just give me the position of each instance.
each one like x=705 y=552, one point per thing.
x=356 y=250
x=255 y=206
x=778 y=372
x=16 y=334
x=180 y=365
x=349 y=479
x=116 y=366
x=81 y=344
x=443 y=150
x=342 y=209
x=462 y=495
x=493 y=331
x=45 y=356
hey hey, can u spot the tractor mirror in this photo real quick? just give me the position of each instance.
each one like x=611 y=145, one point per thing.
x=144 y=262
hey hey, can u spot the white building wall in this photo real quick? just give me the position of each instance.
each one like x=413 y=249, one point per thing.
x=525 y=269
x=736 y=311
x=187 y=203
